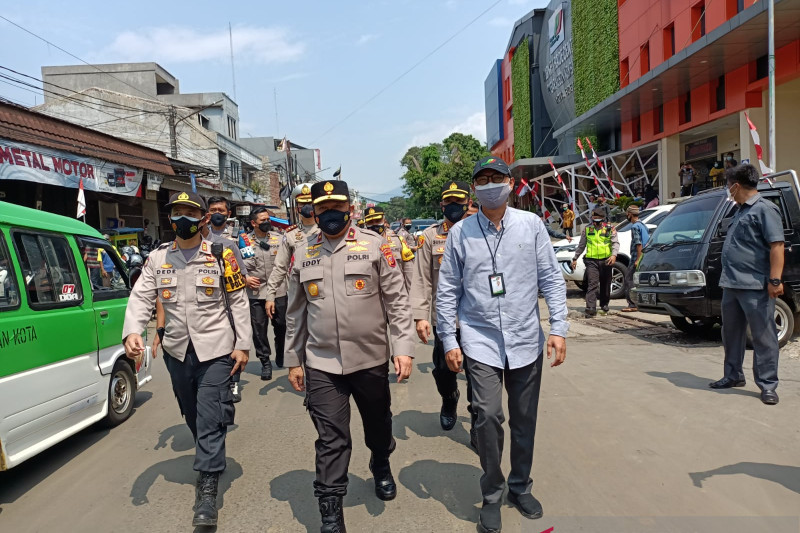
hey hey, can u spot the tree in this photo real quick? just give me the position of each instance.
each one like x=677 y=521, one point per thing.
x=428 y=168
x=395 y=208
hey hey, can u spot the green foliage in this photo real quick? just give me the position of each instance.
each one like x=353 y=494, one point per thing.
x=428 y=168
x=595 y=52
x=623 y=202
x=395 y=208
x=521 y=93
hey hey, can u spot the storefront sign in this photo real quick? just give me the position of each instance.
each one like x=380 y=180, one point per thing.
x=556 y=27
x=242 y=210
x=556 y=71
x=154 y=182
x=27 y=162
x=702 y=149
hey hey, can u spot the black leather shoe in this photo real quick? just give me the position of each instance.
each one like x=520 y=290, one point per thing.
x=489 y=521
x=266 y=371
x=769 y=397
x=330 y=507
x=385 y=487
x=205 y=504
x=727 y=383
x=448 y=416
x=528 y=506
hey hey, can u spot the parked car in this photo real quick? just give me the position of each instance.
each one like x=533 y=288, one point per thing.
x=394 y=226
x=681 y=266
x=565 y=251
x=418 y=225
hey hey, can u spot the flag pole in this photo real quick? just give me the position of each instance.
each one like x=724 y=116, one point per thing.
x=771 y=58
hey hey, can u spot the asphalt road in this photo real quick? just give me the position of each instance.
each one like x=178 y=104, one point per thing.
x=629 y=439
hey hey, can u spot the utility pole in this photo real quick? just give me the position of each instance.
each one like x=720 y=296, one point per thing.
x=233 y=69
x=771 y=62
x=173 y=141
x=277 y=124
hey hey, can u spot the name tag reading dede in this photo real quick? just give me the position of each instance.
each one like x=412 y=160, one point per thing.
x=497 y=285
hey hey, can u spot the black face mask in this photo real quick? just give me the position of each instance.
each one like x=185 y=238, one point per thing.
x=265 y=227
x=454 y=212
x=377 y=229
x=185 y=227
x=307 y=211
x=333 y=222
x=218 y=219
x=408 y=227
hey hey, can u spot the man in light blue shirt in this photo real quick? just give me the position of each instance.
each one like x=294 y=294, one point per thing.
x=495 y=264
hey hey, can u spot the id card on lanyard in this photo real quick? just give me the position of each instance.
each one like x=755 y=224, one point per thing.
x=497 y=285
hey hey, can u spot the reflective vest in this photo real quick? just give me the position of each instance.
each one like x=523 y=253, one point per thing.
x=598 y=242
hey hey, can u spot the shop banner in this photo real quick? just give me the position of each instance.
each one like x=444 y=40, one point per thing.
x=27 y=162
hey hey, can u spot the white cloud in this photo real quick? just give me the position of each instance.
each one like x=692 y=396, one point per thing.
x=290 y=77
x=428 y=133
x=364 y=39
x=178 y=44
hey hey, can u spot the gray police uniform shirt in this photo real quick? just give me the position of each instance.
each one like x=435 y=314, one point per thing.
x=283 y=259
x=745 y=254
x=261 y=264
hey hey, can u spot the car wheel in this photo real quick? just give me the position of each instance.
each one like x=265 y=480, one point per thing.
x=784 y=323
x=121 y=390
x=692 y=326
x=618 y=272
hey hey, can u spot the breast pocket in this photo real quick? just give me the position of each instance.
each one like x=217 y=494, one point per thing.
x=208 y=288
x=358 y=278
x=167 y=289
x=313 y=282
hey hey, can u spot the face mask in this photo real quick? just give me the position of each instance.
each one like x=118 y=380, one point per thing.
x=333 y=222
x=493 y=195
x=454 y=212
x=265 y=226
x=729 y=194
x=185 y=227
x=377 y=229
x=218 y=219
x=307 y=211
x=408 y=227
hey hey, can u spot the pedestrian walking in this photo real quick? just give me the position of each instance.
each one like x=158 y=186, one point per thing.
x=455 y=205
x=495 y=264
x=600 y=242
x=375 y=220
x=207 y=335
x=346 y=293
x=404 y=232
x=752 y=268
x=639 y=238
x=567 y=220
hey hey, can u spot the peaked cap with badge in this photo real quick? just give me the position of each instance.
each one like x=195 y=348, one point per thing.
x=192 y=199
x=330 y=190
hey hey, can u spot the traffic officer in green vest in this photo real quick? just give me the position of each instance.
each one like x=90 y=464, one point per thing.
x=206 y=339
x=375 y=220
x=600 y=241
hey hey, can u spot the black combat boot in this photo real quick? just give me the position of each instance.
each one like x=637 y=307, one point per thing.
x=448 y=416
x=266 y=370
x=205 y=503
x=385 y=487
x=330 y=507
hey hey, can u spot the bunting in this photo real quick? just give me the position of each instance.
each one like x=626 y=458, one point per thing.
x=523 y=187
x=557 y=177
x=81 y=201
x=757 y=141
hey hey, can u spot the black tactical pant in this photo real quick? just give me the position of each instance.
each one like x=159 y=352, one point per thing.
x=447 y=380
x=258 y=319
x=598 y=278
x=206 y=401
x=329 y=405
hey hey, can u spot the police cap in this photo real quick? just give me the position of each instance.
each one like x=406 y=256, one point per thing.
x=455 y=189
x=373 y=214
x=330 y=190
x=192 y=199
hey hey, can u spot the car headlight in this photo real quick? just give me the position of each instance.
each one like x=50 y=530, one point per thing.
x=688 y=278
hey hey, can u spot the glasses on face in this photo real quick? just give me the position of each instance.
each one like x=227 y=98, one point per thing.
x=484 y=179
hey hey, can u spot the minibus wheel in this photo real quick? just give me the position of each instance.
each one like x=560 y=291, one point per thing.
x=121 y=391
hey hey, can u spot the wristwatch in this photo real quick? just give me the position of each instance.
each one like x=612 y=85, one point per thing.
x=775 y=282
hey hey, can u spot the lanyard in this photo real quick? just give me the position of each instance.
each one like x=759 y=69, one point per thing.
x=493 y=254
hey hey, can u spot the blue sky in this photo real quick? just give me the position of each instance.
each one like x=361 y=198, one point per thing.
x=325 y=59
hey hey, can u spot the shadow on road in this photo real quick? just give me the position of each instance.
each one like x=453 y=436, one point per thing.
x=788 y=476
x=297 y=488
x=456 y=486
x=427 y=425
x=180 y=435
x=282 y=384
x=690 y=381
x=425 y=368
x=142 y=397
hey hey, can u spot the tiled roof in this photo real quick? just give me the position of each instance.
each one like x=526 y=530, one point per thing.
x=20 y=124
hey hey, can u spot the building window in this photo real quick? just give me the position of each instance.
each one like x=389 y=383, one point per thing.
x=685 y=102
x=760 y=69
x=232 y=128
x=9 y=291
x=51 y=278
x=658 y=120
x=624 y=73
x=644 y=58
x=719 y=93
x=235 y=177
x=732 y=7
x=669 y=41
x=698 y=20
x=636 y=129
x=203 y=121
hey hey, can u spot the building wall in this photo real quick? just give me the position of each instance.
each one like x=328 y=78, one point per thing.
x=265 y=147
x=505 y=148
x=493 y=104
x=139 y=79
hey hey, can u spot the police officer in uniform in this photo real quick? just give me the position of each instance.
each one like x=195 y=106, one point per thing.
x=404 y=232
x=206 y=339
x=260 y=265
x=455 y=206
x=307 y=226
x=345 y=285
x=375 y=220
x=600 y=241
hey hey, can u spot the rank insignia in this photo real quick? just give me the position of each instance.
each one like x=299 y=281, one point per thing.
x=166 y=281
x=210 y=264
x=166 y=265
x=208 y=280
x=313 y=289
x=440 y=250
x=359 y=284
x=357 y=249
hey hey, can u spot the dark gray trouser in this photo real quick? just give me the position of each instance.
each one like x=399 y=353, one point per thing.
x=259 y=320
x=447 y=380
x=629 y=281
x=522 y=386
x=206 y=403
x=754 y=308
x=598 y=278
x=329 y=405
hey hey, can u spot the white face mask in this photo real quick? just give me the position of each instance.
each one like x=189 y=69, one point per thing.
x=492 y=195
x=729 y=195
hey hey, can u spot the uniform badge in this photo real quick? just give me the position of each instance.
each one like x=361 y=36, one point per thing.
x=328 y=187
x=166 y=294
x=440 y=250
x=166 y=265
x=359 y=284
x=357 y=249
x=210 y=264
x=313 y=289
x=388 y=255
x=440 y=259
x=208 y=280
x=209 y=291
x=166 y=281
x=421 y=240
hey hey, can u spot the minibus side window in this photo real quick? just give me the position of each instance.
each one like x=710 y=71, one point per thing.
x=9 y=292
x=50 y=277
x=104 y=266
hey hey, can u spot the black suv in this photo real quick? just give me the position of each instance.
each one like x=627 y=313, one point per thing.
x=682 y=262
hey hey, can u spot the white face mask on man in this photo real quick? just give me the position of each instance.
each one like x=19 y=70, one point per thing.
x=492 y=195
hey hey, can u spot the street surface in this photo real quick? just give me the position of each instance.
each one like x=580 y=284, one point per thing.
x=630 y=439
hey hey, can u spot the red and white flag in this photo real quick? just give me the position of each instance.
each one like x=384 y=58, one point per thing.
x=523 y=187
x=81 y=201
x=600 y=164
x=591 y=172
x=557 y=177
x=539 y=199
x=757 y=141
